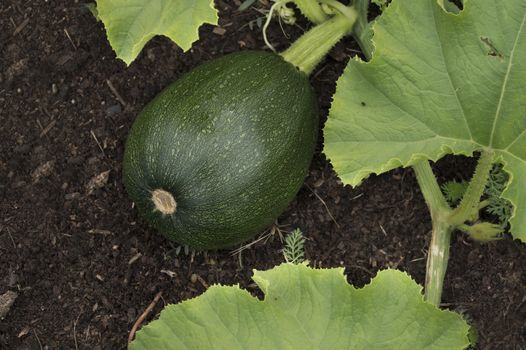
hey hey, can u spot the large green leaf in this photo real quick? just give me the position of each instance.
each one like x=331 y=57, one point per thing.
x=130 y=24
x=438 y=83
x=307 y=309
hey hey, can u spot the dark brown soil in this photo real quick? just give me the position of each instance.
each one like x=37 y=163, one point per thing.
x=84 y=266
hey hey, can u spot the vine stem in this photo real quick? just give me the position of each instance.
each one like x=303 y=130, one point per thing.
x=430 y=189
x=445 y=220
x=471 y=200
x=312 y=10
x=308 y=51
x=362 y=32
x=335 y=5
x=317 y=11
x=438 y=255
x=437 y=259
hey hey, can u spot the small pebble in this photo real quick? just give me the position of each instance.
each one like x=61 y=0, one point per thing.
x=6 y=301
x=114 y=109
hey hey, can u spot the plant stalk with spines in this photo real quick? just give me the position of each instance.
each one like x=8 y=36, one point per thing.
x=319 y=11
x=312 y=10
x=310 y=49
x=307 y=52
x=471 y=200
x=438 y=254
x=445 y=220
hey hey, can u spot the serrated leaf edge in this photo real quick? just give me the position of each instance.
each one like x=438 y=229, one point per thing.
x=128 y=59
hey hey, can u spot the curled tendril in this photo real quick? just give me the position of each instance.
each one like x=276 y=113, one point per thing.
x=330 y=7
x=273 y=8
x=287 y=14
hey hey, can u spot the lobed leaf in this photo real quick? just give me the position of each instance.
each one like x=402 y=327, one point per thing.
x=307 y=308
x=130 y=24
x=438 y=83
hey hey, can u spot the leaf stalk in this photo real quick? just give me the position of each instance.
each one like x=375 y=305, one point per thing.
x=308 y=51
x=445 y=220
x=427 y=181
x=471 y=200
x=438 y=254
x=312 y=10
x=437 y=259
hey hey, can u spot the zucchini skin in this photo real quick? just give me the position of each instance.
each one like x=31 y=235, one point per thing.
x=232 y=141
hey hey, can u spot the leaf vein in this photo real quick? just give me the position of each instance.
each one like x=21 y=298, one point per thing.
x=515 y=140
x=505 y=82
x=390 y=99
x=446 y=67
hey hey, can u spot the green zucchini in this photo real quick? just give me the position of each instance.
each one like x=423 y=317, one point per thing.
x=220 y=153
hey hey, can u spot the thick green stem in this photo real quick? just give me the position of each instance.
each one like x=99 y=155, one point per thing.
x=430 y=189
x=362 y=31
x=308 y=51
x=366 y=45
x=336 y=6
x=446 y=220
x=312 y=10
x=437 y=259
x=471 y=199
x=438 y=255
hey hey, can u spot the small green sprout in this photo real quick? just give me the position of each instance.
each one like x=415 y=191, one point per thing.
x=294 y=247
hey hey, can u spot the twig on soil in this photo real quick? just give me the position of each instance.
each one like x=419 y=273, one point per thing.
x=70 y=40
x=263 y=237
x=315 y=75
x=47 y=128
x=417 y=259
x=75 y=331
x=195 y=277
x=324 y=204
x=383 y=230
x=11 y=237
x=86 y=332
x=357 y=196
x=100 y=232
x=21 y=26
x=98 y=143
x=38 y=339
x=250 y=244
x=134 y=258
x=115 y=92
x=143 y=316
